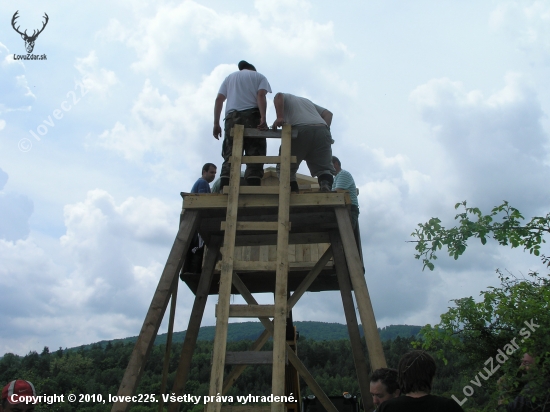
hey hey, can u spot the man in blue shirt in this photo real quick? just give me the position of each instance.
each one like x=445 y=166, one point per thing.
x=344 y=180
x=196 y=249
x=202 y=185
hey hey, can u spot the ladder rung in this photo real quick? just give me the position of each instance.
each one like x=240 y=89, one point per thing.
x=249 y=358
x=264 y=134
x=265 y=159
x=251 y=311
x=254 y=190
x=252 y=265
x=254 y=226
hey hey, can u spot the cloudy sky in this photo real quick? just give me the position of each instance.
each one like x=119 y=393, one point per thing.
x=434 y=102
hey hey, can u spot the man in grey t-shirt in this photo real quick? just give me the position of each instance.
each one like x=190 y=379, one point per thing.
x=313 y=143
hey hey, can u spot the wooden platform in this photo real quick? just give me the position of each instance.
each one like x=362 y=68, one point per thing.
x=311 y=218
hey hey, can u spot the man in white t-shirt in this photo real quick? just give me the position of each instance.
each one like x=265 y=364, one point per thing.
x=313 y=143
x=246 y=104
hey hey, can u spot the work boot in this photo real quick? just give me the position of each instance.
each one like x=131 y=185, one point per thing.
x=224 y=181
x=253 y=181
x=294 y=187
x=325 y=183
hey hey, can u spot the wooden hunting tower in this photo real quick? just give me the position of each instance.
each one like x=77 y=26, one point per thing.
x=261 y=239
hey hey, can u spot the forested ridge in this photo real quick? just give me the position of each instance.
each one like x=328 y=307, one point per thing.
x=98 y=368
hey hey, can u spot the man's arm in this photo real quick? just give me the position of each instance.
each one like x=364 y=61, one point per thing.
x=262 y=105
x=279 y=103
x=217 y=113
x=327 y=117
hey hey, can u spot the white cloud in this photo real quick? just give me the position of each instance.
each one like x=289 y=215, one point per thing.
x=527 y=24
x=16 y=94
x=107 y=267
x=95 y=78
x=497 y=143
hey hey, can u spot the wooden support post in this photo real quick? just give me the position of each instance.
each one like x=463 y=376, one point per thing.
x=351 y=319
x=168 y=349
x=374 y=345
x=153 y=319
x=195 y=320
x=279 y=321
x=220 y=341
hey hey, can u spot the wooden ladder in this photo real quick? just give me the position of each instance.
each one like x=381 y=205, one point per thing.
x=278 y=311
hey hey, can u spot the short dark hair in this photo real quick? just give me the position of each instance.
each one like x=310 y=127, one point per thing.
x=388 y=377
x=207 y=166
x=336 y=160
x=416 y=372
x=244 y=65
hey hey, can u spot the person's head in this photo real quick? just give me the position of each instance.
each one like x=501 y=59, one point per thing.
x=13 y=396
x=527 y=361
x=383 y=385
x=336 y=163
x=209 y=172
x=244 y=65
x=416 y=372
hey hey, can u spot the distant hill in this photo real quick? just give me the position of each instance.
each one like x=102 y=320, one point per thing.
x=317 y=331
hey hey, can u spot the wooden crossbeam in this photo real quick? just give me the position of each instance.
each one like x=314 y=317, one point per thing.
x=266 y=159
x=255 y=190
x=255 y=226
x=264 y=134
x=214 y=201
x=251 y=311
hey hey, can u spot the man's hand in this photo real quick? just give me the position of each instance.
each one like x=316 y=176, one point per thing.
x=277 y=123
x=217 y=131
x=263 y=124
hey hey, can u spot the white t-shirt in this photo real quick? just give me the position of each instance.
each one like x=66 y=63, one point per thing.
x=301 y=111
x=241 y=90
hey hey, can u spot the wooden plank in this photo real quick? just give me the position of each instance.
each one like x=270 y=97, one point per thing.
x=255 y=253
x=281 y=287
x=293 y=238
x=256 y=190
x=273 y=252
x=250 y=311
x=266 y=159
x=249 y=358
x=264 y=134
x=245 y=256
x=251 y=265
x=351 y=318
x=299 y=254
x=306 y=253
x=254 y=226
x=291 y=253
x=314 y=250
x=364 y=304
x=308 y=280
x=195 y=319
x=220 y=341
x=151 y=324
x=264 y=253
x=218 y=201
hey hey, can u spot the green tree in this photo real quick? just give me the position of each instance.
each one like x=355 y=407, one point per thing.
x=508 y=320
x=504 y=223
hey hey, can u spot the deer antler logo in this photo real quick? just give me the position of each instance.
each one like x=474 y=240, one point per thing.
x=29 y=40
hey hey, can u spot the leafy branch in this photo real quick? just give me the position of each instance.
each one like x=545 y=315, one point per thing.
x=505 y=224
